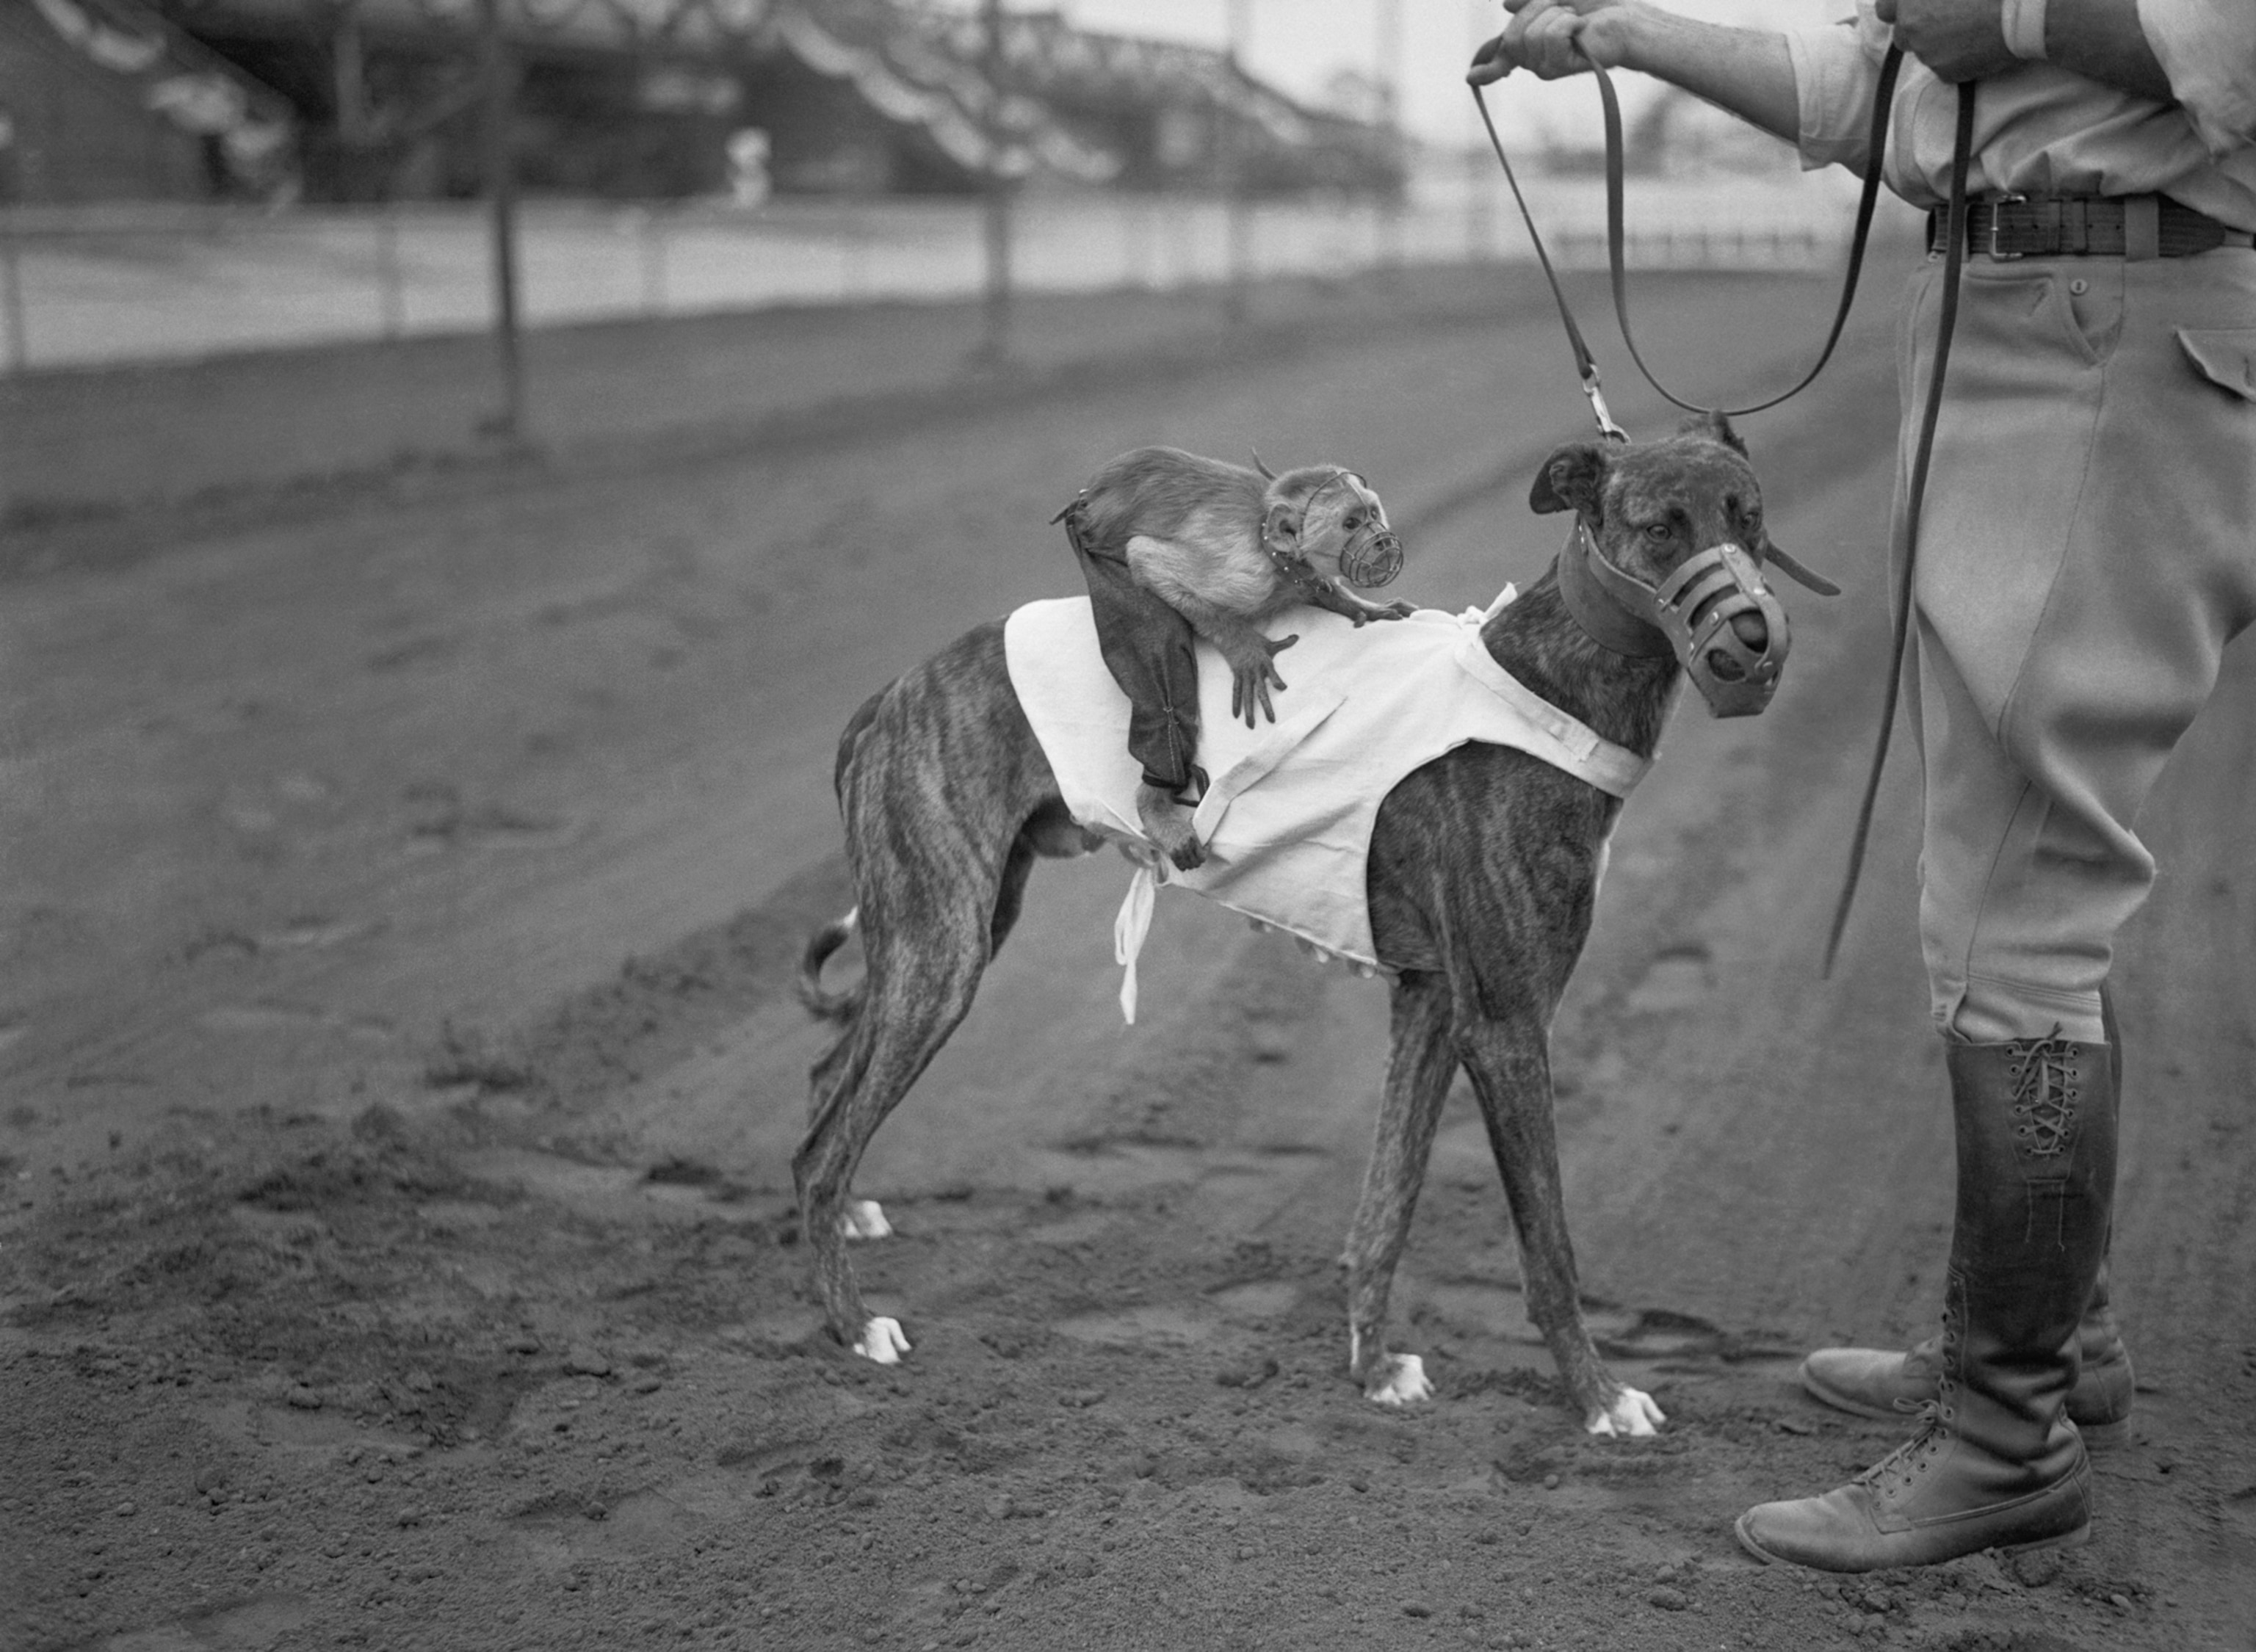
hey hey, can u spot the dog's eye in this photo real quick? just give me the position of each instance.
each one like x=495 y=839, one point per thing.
x=1351 y=522
x=1656 y=530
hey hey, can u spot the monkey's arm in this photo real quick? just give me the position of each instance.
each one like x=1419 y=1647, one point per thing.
x=1251 y=655
x=1340 y=600
x=1214 y=591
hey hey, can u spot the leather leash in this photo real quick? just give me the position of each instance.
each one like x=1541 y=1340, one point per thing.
x=1617 y=257
x=1954 y=262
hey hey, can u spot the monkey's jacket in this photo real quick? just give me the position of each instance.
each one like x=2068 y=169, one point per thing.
x=1287 y=815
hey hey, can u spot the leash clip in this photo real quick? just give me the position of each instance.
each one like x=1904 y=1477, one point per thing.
x=1599 y=410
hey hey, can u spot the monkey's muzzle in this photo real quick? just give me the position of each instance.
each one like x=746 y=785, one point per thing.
x=1371 y=557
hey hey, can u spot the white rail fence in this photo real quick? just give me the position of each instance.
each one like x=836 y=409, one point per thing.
x=85 y=286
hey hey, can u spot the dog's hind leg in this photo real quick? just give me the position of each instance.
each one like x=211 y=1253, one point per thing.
x=1419 y=1070
x=946 y=800
x=1050 y=833
x=905 y=1017
x=861 y=1219
x=1510 y=1061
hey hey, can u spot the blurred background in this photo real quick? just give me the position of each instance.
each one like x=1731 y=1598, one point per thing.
x=263 y=243
x=185 y=177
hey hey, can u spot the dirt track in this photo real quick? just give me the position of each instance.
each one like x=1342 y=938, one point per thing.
x=401 y=1073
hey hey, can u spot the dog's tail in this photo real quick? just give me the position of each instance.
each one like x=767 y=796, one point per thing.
x=828 y=940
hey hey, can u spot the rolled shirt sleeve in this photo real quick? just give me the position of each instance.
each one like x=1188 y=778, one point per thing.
x=1836 y=71
x=2207 y=50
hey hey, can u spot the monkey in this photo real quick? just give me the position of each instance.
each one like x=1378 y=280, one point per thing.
x=1176 y=545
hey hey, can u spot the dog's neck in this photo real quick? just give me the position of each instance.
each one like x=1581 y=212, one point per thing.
x=1539 y=641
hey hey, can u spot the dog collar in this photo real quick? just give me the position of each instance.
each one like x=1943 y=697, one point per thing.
x=1602 y=615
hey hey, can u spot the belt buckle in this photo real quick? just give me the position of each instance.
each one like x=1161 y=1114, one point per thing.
x=1992 y=250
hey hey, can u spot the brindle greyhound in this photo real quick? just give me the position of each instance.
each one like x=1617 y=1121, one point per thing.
x=1483 y=866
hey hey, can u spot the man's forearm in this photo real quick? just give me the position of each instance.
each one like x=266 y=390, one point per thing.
x=2101 y=40
x=1966 y=40
x=1745 y=71
x=1749 y=72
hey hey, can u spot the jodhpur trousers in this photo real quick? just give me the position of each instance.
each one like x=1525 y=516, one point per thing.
x=2088 y=548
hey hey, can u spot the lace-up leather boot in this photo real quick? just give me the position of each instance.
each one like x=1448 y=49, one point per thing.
x=1885 y=1381
x=1995 y=1463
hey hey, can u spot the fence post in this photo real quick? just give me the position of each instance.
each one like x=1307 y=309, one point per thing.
x=997 y=348
x=856 y=238
x=653 y=243
x=1389 y=64
x=1234 y=143
x=498 y=75
x=14 y=355
x=391 y=297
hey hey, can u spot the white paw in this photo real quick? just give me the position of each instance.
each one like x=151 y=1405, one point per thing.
x=864 y=1218
x=1633 y=1413
x=1401 y=1380
x=883 y=1343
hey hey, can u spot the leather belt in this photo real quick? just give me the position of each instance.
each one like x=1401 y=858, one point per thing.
x=2087 y=227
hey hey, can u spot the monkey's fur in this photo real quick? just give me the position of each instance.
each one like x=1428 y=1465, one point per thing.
x=1482 y=871
x=1227 y=548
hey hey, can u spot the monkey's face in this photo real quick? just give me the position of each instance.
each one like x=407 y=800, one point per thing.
x=1343 y=531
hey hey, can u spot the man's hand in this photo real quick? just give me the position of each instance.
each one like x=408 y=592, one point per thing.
x=1959 y=39
x=1555 y=38
x=1747 y=71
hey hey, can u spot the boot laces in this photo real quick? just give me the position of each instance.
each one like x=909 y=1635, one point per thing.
x=1937 y=1417
x=2045 y=1092
x=1896 y=1473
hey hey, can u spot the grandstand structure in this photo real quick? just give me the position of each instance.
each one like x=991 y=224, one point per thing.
x=363 y=100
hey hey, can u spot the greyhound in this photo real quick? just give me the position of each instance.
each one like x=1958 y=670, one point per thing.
x=1482 y=872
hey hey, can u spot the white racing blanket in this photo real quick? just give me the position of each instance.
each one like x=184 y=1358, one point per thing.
x=1287 y=815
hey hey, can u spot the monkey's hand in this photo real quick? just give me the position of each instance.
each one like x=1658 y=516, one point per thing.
x=1253 y=672
x=1339 y=599
x=1363 y=612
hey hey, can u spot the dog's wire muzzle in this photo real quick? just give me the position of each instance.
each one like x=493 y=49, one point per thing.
x=1690 y=614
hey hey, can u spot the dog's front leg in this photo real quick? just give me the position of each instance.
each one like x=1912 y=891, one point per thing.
x=1418 y=1073
x=1510 y=1062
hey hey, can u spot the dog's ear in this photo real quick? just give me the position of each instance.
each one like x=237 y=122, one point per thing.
x=1717 y=428
x=1570 y=479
